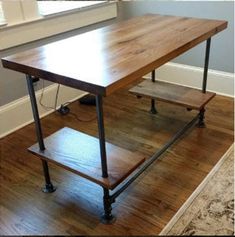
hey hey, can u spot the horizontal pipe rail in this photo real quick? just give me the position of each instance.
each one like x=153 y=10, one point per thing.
x=148 y=162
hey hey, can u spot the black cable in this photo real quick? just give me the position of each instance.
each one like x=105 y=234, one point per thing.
x=81 y=120
x=56 y=96
x=42 y=94
x=62 y=105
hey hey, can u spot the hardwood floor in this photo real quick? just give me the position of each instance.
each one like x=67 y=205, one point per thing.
x=147 y=205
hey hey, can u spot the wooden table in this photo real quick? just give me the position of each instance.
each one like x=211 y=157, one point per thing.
x=101 y=62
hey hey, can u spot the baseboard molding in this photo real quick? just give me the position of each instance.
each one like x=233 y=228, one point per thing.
x=18 y=113
x=220 y=82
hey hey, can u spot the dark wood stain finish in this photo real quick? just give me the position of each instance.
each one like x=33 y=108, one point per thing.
x=104 y=60
x=147 y=205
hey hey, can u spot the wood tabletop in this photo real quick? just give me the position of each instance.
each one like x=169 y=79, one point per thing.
x=104 y=60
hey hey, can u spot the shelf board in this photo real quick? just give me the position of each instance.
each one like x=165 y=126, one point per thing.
x=171 y=93
x=80 y=154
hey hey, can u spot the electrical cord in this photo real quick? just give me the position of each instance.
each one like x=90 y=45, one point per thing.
x=42 y=94
x=82 y=120
x=64 y=105
x=56 y=96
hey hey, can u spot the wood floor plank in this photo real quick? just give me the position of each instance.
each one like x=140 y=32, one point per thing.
x=148 y=204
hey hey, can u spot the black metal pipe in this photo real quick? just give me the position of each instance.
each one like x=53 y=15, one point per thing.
x=48 y=185
x=148 y=162
x=35 y=112
x=153 y=76
x=153 y=109
x=201 y=123
x=207 y=54
x=107 y=217
x=100 y=121
x=46 y=173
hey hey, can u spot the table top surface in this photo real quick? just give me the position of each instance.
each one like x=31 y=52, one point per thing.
x=104 y=60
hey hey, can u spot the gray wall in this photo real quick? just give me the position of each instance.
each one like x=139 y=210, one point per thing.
x=222 y=45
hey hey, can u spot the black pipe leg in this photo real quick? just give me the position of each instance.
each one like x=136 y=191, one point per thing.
x=100 y=122
x=153 y=109
x=49 y=188
x=206 y=64
x=201 y=122
x=107 y=217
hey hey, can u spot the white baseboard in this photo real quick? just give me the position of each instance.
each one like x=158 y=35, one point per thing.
x=18 y=113
x=220 y=82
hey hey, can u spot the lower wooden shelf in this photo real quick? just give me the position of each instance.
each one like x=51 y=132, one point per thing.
x=80 y=153
x=171 y=93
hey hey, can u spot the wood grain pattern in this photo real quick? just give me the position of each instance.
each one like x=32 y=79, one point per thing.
x=171 y=93
x=104 y=60
x=80 y=153
x=147 y=205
